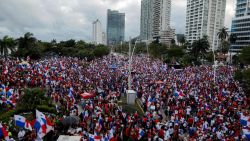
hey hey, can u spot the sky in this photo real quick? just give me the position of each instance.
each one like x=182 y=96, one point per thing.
x=72 y=19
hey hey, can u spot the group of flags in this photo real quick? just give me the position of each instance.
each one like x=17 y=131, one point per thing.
x=7 y=95
x=245 y=123
x=42 y=124
x=3 y=132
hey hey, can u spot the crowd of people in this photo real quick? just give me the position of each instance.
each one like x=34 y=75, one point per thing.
x=184 y=104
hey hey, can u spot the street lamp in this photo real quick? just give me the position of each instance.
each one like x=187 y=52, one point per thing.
x=130 y=62
x=131 y=94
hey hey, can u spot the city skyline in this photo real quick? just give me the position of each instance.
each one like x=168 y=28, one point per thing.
x=64 y=20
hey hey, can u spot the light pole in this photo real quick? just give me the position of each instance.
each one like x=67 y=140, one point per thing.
x=130 y=62
x=215 y=65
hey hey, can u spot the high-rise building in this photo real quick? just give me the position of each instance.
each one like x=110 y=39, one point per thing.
x=241 y=25
x=156 y=17
x=97 y=32
x=166 y=33
x=155 y=21
x=205 y=17
x=146 y=19
x=115 y=27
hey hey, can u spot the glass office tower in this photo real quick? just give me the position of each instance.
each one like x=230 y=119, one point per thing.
x=241 y=25
x=115 y=27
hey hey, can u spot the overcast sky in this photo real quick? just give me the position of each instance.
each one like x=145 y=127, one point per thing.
x=67 y=19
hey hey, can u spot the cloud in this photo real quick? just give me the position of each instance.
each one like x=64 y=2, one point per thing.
x=66 y=19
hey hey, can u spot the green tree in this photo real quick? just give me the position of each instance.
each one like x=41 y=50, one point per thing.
x=157 y=49
x=244 y=78
x=222 y=35
x=175 y=52
x=32 y=99
x=245 y=55
x=182 y=40
x=27 y=46
x=225 y=47
x=7 y=44
x=100 y=51
x=199 y=48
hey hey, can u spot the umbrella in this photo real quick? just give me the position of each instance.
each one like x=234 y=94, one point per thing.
x=71 y=120
x=86 y=95
x=159 y=82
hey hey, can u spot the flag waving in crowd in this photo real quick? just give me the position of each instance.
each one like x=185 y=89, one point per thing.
x=4 y=133
x=22 y=122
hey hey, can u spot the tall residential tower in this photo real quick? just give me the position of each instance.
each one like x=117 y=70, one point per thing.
x=241 y=25
x=155 y=21
x=115 y=27
x=205 y=17
x=97 y=32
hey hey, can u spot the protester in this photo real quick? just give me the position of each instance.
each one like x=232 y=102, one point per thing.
x=183 y=104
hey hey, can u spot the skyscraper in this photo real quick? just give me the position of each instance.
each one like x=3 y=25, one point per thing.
x=146 y=19
x=205 y=17
x=115 y=27
x=97 y=32
x=155 y=20
x=241 y=25
x=166 y=33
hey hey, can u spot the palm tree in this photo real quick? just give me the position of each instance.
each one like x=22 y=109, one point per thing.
x=6 y=44
x=222 y=34
x=200 y=48
x=27 y=41
x=25 y=44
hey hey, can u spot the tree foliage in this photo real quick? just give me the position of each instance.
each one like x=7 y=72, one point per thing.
x=245 y=55
x=7 y=44
x=199 y=48
x=32 y=98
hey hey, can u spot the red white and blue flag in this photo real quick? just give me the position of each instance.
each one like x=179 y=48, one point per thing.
x=22 y=122
x=4 y=133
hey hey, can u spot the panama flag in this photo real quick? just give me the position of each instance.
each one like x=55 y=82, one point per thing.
x=244 y=120
x=176 y=93
x=94 y=138
x=21 y=121
x=4 y=133
x=141 y=134
x=46 y=121
x=10 y=92
x=40 y=115
x=246 y=132
x=40 y=127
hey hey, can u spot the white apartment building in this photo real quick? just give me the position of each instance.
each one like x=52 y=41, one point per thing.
x=205 y=17
x=155 y=21
x=97 y=32
x=166 y=33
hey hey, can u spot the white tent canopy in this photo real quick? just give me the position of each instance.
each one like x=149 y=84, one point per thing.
x=69 y=138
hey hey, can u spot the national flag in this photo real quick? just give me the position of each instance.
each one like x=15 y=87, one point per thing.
x=40 y=127
x=10 y=92
x=70 y=94
x=4 y=133
x=246 y=132
x=244 y=120
x=181 y=94
x=94 y=138
x=141 y=134
x=21 y=121
x=176 y=93
x=41 y=116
